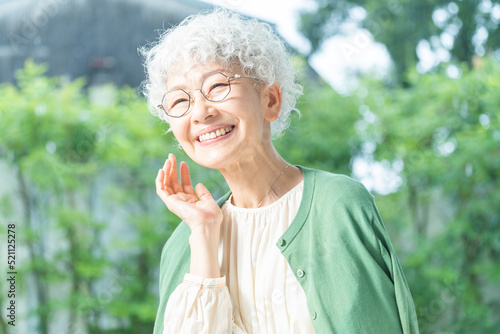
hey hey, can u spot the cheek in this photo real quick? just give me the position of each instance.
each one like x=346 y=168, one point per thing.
x=180 y=131
x=177 y=126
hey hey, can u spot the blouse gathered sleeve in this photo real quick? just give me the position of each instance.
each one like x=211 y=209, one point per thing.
x=201 y=305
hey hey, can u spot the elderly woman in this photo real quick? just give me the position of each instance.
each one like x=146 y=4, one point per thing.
x=289 y=249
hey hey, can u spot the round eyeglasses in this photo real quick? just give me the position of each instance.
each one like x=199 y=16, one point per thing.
x=215 y=88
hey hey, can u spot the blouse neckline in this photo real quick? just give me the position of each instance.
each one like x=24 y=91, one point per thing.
x=309 y=181
x=232 y=208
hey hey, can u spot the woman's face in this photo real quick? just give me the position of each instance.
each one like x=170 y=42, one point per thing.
x=240 y=123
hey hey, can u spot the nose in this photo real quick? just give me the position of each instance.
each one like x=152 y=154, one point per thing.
x=201 y=108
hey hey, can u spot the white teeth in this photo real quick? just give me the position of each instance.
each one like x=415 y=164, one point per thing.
x=215 y=134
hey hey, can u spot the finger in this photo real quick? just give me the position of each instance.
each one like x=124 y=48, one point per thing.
x=202 y=192
x=166 y=162
x=174 y=178
x=186 y=184
x=159 y=181
x=166 y=172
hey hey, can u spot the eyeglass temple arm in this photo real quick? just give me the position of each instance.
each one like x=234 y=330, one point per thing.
x=237 y=76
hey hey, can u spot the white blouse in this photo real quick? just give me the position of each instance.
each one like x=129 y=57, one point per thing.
x=258 y=292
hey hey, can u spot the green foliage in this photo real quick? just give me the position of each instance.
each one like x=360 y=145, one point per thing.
x=400 y=25
x=323 y=134
x=446 y=132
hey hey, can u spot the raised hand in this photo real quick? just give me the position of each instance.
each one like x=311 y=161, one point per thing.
x=197 y=209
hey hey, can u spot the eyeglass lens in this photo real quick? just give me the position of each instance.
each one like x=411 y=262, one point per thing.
x=215 y=88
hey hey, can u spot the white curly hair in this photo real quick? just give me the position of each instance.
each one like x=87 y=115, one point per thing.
x=227 y=38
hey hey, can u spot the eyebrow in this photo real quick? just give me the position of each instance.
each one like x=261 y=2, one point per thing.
x=204 y=76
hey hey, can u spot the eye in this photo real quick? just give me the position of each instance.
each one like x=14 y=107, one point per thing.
x=218 y=85
x=178 y=101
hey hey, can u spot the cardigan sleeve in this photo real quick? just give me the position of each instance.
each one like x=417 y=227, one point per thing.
x=376 y=242
x=366 y=219
x=202 y=306
x=404 y=300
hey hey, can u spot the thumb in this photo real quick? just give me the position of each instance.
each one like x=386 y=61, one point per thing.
x=202 y=192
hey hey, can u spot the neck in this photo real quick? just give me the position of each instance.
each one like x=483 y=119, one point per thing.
x=258 y=179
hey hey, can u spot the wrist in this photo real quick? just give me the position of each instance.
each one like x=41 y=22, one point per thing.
x=205 y=232
x=204 y=240
x=204 y=254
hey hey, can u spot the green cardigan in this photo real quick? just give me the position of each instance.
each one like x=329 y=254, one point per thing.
x=339 y=251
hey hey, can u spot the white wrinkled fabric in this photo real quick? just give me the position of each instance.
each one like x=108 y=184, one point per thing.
x=197 y=305
x=261 y=293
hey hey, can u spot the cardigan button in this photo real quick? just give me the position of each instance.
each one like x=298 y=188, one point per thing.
x=314 y=315
x=300 y=273
x=281 y=242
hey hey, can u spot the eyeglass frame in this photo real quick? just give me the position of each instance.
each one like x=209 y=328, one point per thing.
x=235 y=76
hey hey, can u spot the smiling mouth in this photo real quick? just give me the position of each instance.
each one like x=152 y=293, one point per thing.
x=215 y=134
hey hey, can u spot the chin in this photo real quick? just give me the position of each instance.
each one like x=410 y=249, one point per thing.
x=214 y=160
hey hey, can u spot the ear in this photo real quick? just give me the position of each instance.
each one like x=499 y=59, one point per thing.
x=271 y=101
